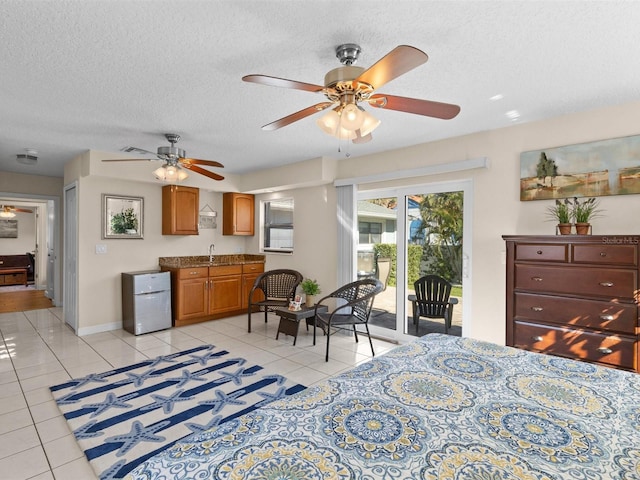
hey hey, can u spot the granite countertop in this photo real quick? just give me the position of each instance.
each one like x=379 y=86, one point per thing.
x=203 y=260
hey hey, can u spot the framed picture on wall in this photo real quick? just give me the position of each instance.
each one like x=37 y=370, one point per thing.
x=8 y=228
x=122 y=217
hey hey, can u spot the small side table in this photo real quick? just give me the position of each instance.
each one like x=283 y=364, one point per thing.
x=290 y=319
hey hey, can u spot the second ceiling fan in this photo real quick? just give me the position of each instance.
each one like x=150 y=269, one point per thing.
x=348 y=86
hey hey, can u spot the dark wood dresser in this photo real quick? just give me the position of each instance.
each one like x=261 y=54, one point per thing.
x=575 y=296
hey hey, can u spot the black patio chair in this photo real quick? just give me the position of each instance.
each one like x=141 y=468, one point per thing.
x=432 y=300
x=273 y=289
x=353 y=307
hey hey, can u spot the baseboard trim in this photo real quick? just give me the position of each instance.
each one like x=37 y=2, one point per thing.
x=105 y=327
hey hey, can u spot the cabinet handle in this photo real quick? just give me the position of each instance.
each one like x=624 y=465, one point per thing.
x=536 y=279
x=606 y=317
x=537 y=309
x=193 y=273
x=606 y=284
x=537 y=338
x=603 y=254
x=605 y=350
x=539 y=252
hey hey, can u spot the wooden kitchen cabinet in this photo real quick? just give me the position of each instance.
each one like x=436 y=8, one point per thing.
x=180 y=210
x=575 y=296
x=225 y=289
x=206 y=293
x=250 y=272
x=238 y=213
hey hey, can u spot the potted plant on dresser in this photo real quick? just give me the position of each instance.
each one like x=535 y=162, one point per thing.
x=583 y=212
x=561 y=212
x=310 y=288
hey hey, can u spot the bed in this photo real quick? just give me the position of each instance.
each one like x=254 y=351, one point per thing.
x=441 y=407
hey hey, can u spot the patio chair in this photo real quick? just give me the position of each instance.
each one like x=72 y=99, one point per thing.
x=353 y=303
x=432 y=300
x=271 y=290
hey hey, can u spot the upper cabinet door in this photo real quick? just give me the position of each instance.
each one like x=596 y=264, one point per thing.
x=180 y=210
x=238 y=214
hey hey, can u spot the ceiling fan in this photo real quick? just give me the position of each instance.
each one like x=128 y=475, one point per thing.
x=174 y=159
x=348 y=86
x=9 y=211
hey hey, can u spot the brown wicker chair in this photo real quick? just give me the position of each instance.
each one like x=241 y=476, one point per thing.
x=432 y=300
x=354 y=302
x=271 y=290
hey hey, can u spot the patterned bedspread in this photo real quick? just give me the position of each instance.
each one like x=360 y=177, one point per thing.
x=439 y=408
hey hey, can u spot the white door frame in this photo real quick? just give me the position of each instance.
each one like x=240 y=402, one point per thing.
x=70 y=270
x=402 y=229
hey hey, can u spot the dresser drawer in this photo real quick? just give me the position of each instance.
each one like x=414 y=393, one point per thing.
x=606 y=254
x=576 y=312
x=612 y=350
x=195 y=272
x=606 y=283
x=541 y=252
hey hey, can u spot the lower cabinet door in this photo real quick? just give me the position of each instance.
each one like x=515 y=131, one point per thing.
x=225 y=294
x=193 y=299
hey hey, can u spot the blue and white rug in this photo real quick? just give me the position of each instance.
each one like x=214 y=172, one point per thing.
x=125 y=416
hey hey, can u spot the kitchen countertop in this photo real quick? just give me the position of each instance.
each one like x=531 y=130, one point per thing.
x=203 y=260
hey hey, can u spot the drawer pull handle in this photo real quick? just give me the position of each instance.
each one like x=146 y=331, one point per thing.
x=603 y=254
x=539 y=252
x=537 y=309
x=605 y=351
x=536 y=279
x=193 y=273
x=606 y=317
x=606 y=284
x=537 y=338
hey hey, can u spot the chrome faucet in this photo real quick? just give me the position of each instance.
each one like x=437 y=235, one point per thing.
x=211 y=249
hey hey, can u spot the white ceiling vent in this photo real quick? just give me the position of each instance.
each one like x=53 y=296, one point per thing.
x=30 y=158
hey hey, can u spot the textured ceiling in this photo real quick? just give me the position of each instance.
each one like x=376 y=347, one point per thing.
x=103 y=74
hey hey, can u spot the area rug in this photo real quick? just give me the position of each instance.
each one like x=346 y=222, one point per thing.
x=125 y=416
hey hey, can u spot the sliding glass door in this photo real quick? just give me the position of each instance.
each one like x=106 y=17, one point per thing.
x=404 y=234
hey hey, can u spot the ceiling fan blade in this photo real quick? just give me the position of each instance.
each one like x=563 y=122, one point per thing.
x=428 y=108
x=196 y=161
x=282 y=82
x=397 y=62
x=202 y=171
x=294 y=117
x=23 y=210
x=141 y=151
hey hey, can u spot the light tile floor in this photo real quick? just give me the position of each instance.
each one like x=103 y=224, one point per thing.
x=39 y=350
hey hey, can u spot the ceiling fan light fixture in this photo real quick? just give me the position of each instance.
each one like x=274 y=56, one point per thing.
x=351 y=117
x=369 y=124
x=329 y=122
x=7 y=214
x=170 y=173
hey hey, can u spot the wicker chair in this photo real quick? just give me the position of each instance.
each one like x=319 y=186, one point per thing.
x=353 y=307
x=432 y=300
x=271 y=290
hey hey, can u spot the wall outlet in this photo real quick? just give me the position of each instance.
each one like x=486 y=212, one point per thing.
x=101 y=249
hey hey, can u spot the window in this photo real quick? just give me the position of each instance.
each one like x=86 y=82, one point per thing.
x=369 y=232
x=278 y=225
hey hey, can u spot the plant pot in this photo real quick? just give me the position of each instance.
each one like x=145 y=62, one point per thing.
x=564 y=228
x=310 y=301
x=583 y=228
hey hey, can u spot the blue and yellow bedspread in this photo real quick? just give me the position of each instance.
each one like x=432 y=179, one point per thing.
x=439 y=408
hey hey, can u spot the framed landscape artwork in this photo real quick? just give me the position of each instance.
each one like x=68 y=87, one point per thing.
x=8 y=228
x=605 y=167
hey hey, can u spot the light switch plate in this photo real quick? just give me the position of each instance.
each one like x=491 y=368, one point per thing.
x=101 y=249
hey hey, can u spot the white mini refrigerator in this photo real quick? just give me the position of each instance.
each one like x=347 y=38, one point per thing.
x=146 y=301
